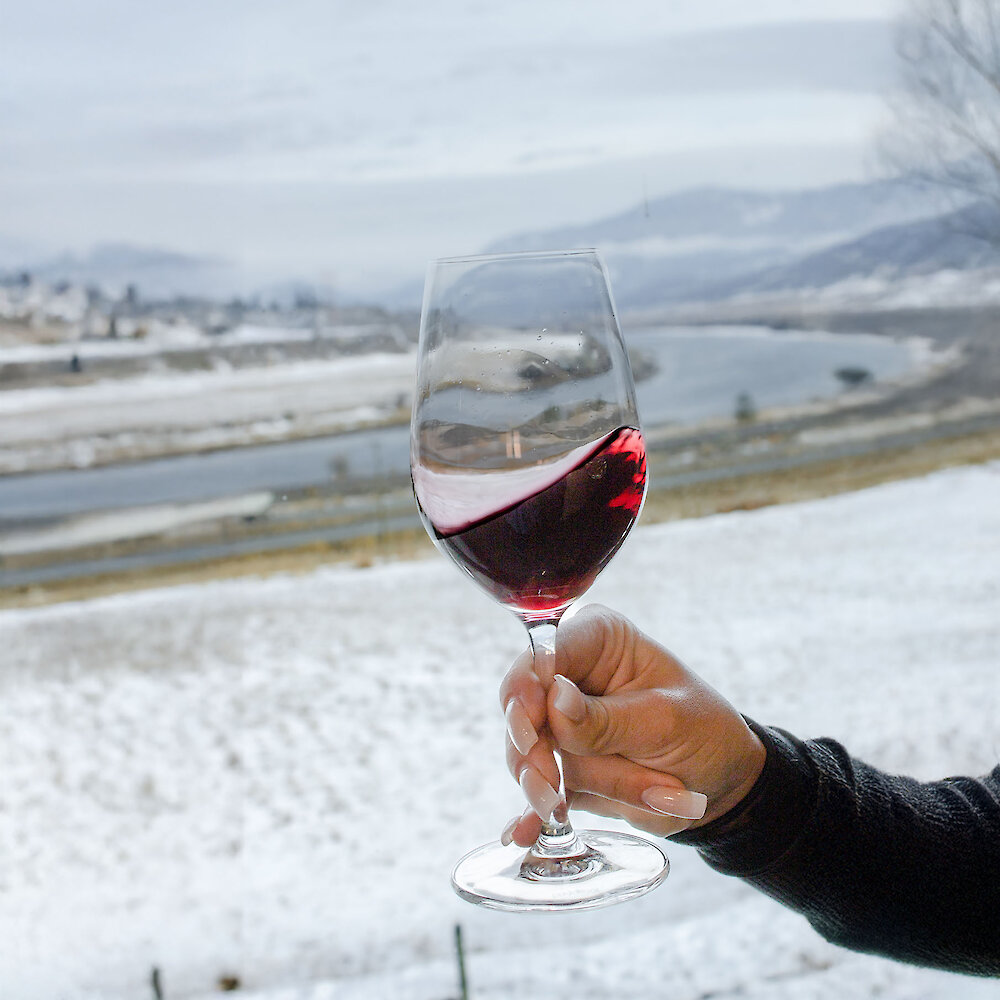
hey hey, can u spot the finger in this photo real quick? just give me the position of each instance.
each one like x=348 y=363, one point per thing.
x=638 y=724
x=633 y=786
x=591 y=646
x=522 y=830
x=541 y=756
x=537 y=774
x=530 y=755
x=602 y=651
x=641 y=819
x=523 y=700
x=529 y=746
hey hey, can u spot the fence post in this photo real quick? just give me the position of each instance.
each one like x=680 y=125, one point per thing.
x=460 y=955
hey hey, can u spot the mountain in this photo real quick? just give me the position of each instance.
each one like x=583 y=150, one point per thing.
x=732 y=215
x=953 y=241
x=712 y=243
x=701 y=245
x=155 y=272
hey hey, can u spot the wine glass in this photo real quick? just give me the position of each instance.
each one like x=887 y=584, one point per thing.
x=529 y=470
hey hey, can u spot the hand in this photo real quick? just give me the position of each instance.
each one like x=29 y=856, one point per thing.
x=642 y=738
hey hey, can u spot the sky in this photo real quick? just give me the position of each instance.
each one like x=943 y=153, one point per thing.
x=348 y=141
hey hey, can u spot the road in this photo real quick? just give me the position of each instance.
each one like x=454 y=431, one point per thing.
x=332 y=490
x=391 y=509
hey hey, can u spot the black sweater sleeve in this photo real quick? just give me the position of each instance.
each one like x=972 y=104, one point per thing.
x=876 y=862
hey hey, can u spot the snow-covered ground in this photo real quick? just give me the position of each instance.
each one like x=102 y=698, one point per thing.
x=160 y=337
x=271 y=778
x=155 y=413
x=947 y=288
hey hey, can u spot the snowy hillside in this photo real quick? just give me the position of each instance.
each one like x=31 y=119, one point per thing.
x=270 y=779
x=952 y=242
x=726 y=216
x=715 y=245
x=712 y=243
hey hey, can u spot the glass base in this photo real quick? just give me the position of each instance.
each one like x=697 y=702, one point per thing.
x=612 y=867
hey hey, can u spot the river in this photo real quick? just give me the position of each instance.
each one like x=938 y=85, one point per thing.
x=700 y=373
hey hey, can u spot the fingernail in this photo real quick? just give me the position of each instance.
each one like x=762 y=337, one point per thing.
x=507 y=834
x=569 y=699
x=542 y=796
x=519 y=728
x=678 y=802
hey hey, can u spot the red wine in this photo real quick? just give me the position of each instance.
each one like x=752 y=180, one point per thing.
x=540 y=553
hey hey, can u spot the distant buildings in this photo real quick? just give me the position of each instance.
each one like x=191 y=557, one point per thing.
x=34 y=311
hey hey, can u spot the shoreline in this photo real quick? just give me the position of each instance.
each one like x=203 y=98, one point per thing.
x=948 y=413
x=724 y=493
x=62 y=432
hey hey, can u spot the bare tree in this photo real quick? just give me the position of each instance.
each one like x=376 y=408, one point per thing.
x=946 y=127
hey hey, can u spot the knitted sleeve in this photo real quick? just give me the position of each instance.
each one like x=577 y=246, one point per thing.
x=876 y=862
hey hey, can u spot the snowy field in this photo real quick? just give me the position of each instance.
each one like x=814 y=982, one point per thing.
x=270 y=779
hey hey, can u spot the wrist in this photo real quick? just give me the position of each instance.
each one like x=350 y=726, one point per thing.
x=749 y=763
x=759 y=827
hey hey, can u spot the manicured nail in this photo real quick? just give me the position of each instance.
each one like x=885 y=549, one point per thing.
x=678 y=802
x=539 y=793
x=519 y=728
x=507 y=834
x=569 y=699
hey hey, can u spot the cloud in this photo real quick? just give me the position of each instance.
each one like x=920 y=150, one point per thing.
x=374 y=92
x=846 y=56
x=355 y=122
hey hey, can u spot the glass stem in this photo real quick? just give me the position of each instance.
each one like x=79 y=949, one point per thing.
x=557 y=838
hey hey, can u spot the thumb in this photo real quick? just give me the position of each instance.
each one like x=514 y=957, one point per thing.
x=633 y=724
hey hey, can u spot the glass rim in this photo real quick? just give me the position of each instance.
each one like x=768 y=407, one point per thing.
x=514 y=255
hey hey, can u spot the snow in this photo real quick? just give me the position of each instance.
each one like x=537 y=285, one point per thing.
x=943 y=289
x=159 y=337
x=68 y=305
x=55 y=426
x=653 y=247
x=871 y=430
x=130 y=522
x=271 y=778
x=176 y=388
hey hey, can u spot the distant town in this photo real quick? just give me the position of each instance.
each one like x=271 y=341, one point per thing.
x=53 y=328
x=39 y=313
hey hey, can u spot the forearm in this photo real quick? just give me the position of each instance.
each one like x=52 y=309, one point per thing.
x=876 y=862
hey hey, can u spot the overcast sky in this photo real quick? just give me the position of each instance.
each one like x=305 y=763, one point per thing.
x=350 y=140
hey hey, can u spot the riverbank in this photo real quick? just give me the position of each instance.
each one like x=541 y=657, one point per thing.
x=156 y=413
x=396 y=534
x=359 y=510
